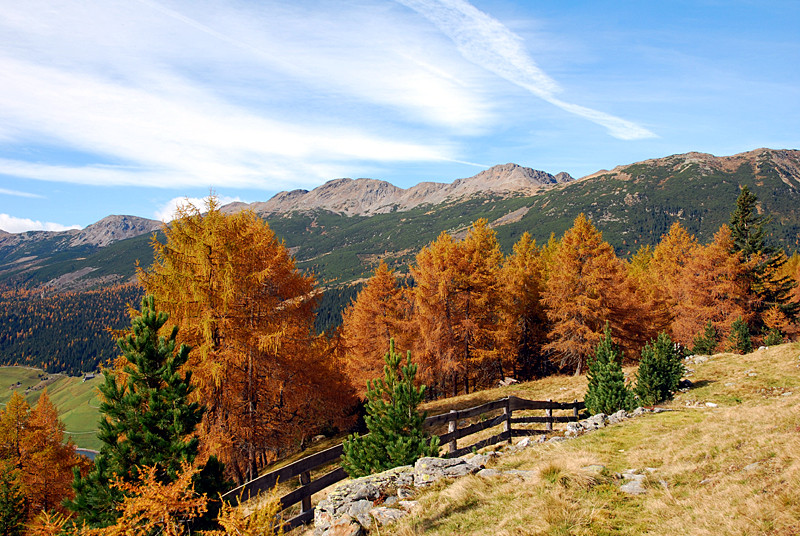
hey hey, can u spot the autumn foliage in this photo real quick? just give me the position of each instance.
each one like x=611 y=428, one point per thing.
x=34 y=455
x=266 y=379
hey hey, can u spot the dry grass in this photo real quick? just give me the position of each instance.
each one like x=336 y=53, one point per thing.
x=733 y=469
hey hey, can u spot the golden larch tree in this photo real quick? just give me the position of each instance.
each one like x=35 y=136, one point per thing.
x=522 y=319
x=585 y=288
x=378 y=314
x=456 y=308
x=233 y=290
x=712 y=286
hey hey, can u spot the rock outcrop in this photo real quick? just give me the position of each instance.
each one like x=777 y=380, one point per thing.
x=356 y=506
x=368 y=196
x=114 y=228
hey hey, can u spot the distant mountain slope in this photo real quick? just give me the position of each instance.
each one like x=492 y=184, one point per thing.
x=632 y=205
x=361 y=197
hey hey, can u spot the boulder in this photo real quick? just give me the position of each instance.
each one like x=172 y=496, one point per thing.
x=429 y=470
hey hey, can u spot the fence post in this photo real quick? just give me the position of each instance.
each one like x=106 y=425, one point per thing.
x=452 y=426
x=575 y=409
x=507 y=421
x=305 y=478
x=549 y=414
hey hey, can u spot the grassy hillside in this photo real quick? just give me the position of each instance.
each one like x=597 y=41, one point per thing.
x=76 y=400
x=725 y=461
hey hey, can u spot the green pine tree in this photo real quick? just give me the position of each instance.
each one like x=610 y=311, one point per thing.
x=148 y=419
x=773 y=337
x=739 y=338
x=395 y=436
x=660 y=371
x=705 y=343
x=13 y=507
x=747 y=229
x=607 y=392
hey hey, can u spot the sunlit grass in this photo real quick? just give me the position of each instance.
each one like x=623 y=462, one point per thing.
x=733 y=469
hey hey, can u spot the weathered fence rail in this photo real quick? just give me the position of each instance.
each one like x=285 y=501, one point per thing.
x=308 y=487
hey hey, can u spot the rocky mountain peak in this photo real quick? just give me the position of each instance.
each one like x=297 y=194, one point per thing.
x=369 y=196
x=113 y=228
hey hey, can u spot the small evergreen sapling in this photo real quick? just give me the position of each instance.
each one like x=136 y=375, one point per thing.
x=660 y=371
x=739 y=338
x=607 y=392
x=395 y=436
x=705 y=343
x=148 y=421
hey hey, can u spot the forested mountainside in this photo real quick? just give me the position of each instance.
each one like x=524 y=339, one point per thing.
x=632 y=205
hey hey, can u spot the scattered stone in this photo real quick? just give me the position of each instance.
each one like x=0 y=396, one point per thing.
x=505 y=382
x=617 y=417
x=711 y=405
x=787 y=393
x=594 y=468
x=557 y=439
x=639 y=411
x=344 y=526
x=729 y=384
x=634 y=483
x=523 y=443
x=751 y=467
x=763 y=348
x=359 y=508
x=752 y=374
x=429 y=470
x=542 y=438
x=524 y=475
x=391 y=500
x=404 y=494
x=489 y=473
x=408 y=506
x=383 y=516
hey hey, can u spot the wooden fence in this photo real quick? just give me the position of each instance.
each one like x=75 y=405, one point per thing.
x=302 y=468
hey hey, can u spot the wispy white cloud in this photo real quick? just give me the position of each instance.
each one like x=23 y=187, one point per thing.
x=488 y=43
x=11 y=224
x=167 y=211
x=267 y=96
x=17 y=193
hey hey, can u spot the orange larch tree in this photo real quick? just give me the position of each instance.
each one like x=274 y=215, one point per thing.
x=234 y=291
x=712 y=286
x=522 y=318
x=586 y=287
x=457 y=300
x=378 y=314
x=32 y=442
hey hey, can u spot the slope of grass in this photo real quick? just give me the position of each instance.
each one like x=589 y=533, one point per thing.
x=726 y=461
x=76 y=400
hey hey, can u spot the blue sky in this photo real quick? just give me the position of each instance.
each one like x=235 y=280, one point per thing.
x=127 y=107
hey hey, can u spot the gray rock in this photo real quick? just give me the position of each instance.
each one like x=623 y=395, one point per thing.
x=751 y=467
x=383 y=516
x=404 y=493
x=524 y=475
x=594 y=468
x=408 y=506
x=344 y=526
x=557 y=439
x=429 y=470
x=633 y=487
x=359 y=508
x=639 y=411
x=619 y=416
x=489 y=473
x=391 y=500
x=524 y=443
x=478 y=460
x=595 y=421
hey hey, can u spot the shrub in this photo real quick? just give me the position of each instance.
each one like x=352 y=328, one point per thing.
x=739 y=338
x=706 y=342
x=607 y=392
x=395 y=436
x=660 y=371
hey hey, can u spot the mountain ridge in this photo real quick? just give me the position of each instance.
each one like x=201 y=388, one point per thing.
x=363 y=197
